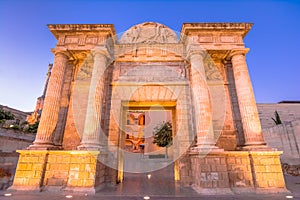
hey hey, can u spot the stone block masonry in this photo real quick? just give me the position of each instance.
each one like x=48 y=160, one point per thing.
x=285 y=137
x=238 y=172
x=60 y=170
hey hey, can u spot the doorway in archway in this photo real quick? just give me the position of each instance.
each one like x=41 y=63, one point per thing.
x=138 y=156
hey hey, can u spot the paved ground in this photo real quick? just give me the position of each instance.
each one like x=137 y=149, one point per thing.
x=136 y=187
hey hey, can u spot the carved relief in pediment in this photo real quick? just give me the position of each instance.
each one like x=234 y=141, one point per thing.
x=149 y=32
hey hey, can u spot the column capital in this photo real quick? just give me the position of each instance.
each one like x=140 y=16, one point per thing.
x=234 y=52
x=61 y=51
x=100 y=51
x=226 y=62
x=195 y=49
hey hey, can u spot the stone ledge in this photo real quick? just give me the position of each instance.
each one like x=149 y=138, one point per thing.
x=74 y=152
x=212 y=191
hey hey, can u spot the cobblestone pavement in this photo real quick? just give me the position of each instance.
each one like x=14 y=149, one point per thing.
x=135 y=187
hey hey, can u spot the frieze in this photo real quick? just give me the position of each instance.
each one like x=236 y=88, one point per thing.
x=91 y=40
x=149 y=73
x=61 y=40
x=122 y=49
x=71 y=40
x=205 y=38
x=227 y=38
x=81 y=40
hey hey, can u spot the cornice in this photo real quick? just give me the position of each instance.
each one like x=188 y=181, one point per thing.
x=200 y=27
x=63 y=28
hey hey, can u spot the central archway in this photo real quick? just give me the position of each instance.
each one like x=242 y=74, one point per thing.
x=150 y=97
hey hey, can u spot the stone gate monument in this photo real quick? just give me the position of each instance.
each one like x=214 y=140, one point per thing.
x=102 y=87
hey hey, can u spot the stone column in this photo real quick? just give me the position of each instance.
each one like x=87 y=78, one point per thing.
x=247 y=105
x=48 y=122
x=92 y=127
x=202 y=104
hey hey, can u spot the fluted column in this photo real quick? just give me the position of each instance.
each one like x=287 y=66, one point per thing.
x=45 y=133
x=202 y=104
x=92 y=127
x=247 y=105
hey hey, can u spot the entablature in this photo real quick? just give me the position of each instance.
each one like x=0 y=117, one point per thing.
x=83 y=36
x=213 y=36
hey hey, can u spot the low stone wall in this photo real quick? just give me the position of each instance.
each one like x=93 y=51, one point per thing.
x=10 y=140
x=8 y=163
x=287 y=111
x=285 y=137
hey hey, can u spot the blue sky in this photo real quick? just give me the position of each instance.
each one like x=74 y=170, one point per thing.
x=25 y=40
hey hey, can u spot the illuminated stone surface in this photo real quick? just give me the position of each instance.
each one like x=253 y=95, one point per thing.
x=201 y=78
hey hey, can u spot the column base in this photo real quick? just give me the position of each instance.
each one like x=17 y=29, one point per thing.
x=89 y=147
x=41 y=146
x=262 y=147
x=205 y=149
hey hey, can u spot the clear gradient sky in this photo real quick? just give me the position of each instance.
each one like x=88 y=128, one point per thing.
x=25 y=40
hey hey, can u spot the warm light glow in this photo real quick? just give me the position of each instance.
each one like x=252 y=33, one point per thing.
x=69 y=196
x=149 y=176
x=289 y=197
x=7 y=194
x=146 y=197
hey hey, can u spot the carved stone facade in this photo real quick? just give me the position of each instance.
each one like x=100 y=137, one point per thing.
x=201 y=78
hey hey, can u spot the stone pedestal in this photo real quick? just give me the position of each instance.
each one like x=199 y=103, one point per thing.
x=237 y=172
x=30 y=170
x=78 y=171
x=210 y=173
x=267 y=172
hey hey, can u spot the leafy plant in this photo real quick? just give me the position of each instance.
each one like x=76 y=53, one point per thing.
x=24 y=123
x=14 y=126
x=33 y=127
x=6 y=115
x=277 y=119
x=163 y=135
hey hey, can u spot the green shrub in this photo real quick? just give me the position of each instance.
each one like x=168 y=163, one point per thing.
x=33 y=127
x=6 y=115
x=277 y=119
